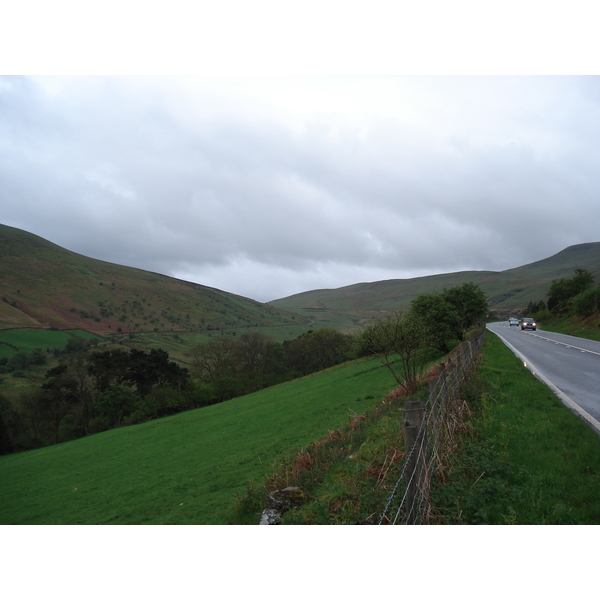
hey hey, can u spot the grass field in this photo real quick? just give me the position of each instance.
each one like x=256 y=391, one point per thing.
x=530 y=461
x=28 y=339
x=188 y=468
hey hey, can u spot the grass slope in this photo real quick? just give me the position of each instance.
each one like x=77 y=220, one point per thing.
x=506 y=290
x=529 y=461
x=517 y=456
x=184 y=469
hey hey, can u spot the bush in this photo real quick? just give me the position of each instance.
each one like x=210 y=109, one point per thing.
x=562 y=291
x=587 y=303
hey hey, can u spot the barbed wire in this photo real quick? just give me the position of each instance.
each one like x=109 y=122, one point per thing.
x=432 y=438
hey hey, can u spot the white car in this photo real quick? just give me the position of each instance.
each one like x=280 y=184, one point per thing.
x=512 y=321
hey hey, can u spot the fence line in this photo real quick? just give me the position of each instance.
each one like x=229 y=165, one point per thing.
x=429 y=432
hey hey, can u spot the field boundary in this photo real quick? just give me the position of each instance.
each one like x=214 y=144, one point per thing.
x=429 y=430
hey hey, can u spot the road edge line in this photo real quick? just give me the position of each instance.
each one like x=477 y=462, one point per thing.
x=570 y=404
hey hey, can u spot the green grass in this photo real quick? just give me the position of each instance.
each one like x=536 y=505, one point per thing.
x=522 y=458
x=188 y=468
x=351 y=473
x=585 y=328
x=28 y=339
x=6 y=351
x=530 y=460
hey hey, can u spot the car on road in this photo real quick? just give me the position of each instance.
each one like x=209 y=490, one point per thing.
x=513 y=321
x=528 y=324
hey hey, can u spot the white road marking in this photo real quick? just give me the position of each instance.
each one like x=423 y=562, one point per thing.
x=564 y=344
x=564 y=398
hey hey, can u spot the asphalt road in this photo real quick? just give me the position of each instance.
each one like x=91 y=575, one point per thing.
x=569 y=365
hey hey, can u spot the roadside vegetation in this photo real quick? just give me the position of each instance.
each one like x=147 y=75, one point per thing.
x=518 y=457
x=572 y=306
x=526 y=460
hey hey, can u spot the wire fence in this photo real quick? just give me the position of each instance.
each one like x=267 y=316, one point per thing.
x=430 y=435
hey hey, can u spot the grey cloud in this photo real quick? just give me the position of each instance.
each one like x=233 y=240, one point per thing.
x=216 y=185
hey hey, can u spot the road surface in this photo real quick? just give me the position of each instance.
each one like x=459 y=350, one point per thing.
x=569 y=365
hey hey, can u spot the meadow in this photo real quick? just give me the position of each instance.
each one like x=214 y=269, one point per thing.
x=528 y=460
x=28 y=339
x=187 y=468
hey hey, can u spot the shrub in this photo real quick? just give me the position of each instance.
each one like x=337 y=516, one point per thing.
x=543 y=315
x=587 y=303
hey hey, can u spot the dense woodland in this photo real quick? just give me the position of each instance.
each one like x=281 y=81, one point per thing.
x=92 y=391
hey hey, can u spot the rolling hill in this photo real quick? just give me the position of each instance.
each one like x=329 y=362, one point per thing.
x=507 y=291
x=45 y=286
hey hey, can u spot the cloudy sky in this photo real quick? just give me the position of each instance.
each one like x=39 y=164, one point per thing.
x=267 y=183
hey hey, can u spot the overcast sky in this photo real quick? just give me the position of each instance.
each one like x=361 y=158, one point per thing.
x=268 y=184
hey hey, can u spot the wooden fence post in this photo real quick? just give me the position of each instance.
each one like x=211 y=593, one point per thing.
x=443 y=385
x=413 y=416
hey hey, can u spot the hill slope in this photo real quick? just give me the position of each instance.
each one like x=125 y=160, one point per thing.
x=187 y=468
x=44 y=285
x=509 y=290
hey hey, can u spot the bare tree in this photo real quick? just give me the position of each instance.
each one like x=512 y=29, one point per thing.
x=214 y=358
x=400 y=341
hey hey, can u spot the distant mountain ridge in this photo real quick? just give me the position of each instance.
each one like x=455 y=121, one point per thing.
x=507 y=291
x=45 y=285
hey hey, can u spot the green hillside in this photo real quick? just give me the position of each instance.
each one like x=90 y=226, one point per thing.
x=187 y=468
x=43 y=285
x=507 y=291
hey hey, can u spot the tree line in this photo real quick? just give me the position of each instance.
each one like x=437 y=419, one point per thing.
x=227 y=367
x=406 y=341
x=93 y=391
x=569 y=296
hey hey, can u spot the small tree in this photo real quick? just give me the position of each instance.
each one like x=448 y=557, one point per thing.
x=435 y=310
x=587 y=303
x=450 y=314
x=404 y=336
x=214 y=359
x=469 y=305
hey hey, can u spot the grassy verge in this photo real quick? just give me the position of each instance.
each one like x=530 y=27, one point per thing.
x=585 y=328
x=518 y=456
x=344 y=477
x=188 y=468
x=528 y=460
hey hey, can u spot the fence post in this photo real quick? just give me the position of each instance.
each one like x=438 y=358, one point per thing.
x=443 y=385
x=413 y=416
